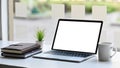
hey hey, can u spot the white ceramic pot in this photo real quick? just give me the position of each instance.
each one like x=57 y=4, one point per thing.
x=40 y=43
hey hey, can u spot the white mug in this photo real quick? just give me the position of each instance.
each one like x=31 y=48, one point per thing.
x=104 y=51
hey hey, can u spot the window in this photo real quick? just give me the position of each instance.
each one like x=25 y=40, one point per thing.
x=37 y=13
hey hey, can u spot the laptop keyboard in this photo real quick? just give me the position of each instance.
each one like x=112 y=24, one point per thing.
x=65 y=53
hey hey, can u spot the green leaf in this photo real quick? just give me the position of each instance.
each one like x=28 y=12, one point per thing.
x=40 y=35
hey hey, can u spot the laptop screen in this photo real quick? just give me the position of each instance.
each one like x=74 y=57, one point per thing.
x=77 y=35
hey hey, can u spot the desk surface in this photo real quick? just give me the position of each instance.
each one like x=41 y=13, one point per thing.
x=43 y=63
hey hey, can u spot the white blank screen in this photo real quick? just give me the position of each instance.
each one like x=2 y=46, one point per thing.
x=77 y=36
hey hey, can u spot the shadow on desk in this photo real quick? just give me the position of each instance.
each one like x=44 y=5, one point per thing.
x=9 y=66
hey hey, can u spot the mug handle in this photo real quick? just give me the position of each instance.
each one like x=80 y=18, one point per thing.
x=114 y=52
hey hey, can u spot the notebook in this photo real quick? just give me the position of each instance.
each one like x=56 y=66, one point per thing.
x=20 y=48
x=74 y=40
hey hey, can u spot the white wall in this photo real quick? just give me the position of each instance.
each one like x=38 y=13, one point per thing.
x=4 y=20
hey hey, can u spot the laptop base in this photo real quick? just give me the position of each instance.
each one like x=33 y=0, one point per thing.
x=62 y=58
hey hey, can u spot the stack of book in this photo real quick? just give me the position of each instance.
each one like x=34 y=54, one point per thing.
x=21 y=50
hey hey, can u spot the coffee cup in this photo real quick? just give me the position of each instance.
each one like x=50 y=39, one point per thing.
x=104 y=51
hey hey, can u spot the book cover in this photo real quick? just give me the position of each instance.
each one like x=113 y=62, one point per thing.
x=20 y=48
x=29 y=54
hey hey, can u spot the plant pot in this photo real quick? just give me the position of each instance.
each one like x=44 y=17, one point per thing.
x=40 y=43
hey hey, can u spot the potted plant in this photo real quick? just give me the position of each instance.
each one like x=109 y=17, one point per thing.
x=40 y=36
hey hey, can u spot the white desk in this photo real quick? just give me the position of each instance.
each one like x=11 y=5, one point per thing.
x=43 y=63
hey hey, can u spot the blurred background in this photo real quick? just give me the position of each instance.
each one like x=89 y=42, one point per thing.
x=37 y=13
x=42 y=8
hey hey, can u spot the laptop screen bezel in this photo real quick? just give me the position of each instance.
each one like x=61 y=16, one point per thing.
x=90 y=21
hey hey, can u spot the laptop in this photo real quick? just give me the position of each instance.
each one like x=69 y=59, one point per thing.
x=74 y=40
